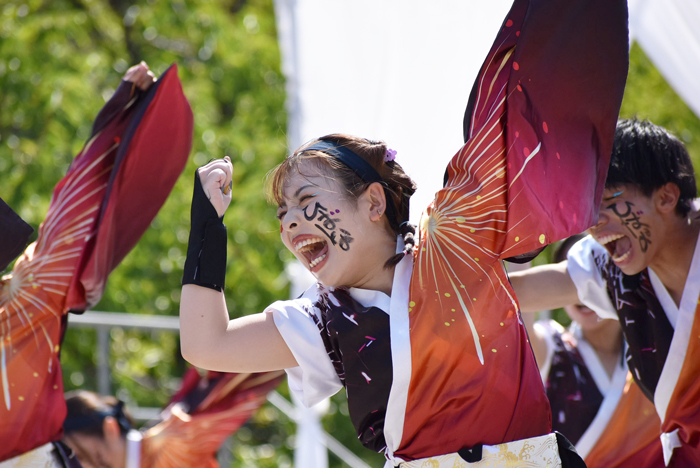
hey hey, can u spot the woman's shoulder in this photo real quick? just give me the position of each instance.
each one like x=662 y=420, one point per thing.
x=304 y=303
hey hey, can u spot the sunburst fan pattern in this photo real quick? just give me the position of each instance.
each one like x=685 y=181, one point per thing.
x=54 y=275
x=198 y=421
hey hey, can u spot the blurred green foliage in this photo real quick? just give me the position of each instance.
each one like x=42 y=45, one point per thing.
x=60 y=60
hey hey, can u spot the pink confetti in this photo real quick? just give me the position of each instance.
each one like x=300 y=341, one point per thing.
x=350 y=317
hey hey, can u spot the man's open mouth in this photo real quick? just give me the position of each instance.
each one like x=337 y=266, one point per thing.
x=315 y=250
x=618 y=246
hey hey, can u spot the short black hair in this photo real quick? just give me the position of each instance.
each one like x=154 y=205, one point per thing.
x=648 y=156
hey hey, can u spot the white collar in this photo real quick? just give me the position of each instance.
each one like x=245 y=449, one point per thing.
x=373 y=298
x=133 y=448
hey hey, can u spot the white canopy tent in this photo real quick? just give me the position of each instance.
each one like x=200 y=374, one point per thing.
x=668 y=32
x=401 y=70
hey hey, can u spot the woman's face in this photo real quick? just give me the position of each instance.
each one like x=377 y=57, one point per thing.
x=584 y=316
x=325 y=228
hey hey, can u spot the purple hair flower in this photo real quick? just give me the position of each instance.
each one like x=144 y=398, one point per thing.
x=390 y=155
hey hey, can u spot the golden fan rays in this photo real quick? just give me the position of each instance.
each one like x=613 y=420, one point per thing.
x=474 y=201
x=49 y=265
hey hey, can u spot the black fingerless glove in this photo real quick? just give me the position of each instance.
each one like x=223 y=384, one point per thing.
x=206 y=252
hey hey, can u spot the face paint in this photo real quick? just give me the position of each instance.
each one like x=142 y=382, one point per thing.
x=328 y=225
x=634 y=225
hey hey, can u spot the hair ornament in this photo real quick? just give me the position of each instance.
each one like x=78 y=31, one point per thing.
x=390 y=155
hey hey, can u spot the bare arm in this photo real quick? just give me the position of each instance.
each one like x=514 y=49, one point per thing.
x=208 y=339
x=544 y=287
x=211 y=341
x=538 y=343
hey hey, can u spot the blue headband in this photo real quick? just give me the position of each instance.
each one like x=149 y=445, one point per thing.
x=351 y=159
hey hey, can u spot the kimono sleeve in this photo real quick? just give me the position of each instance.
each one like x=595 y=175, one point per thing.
x=585 y=259
x=314 y=379
x=538 y=128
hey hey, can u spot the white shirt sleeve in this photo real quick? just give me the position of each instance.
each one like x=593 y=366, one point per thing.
x=314 y=379
x=590 y=285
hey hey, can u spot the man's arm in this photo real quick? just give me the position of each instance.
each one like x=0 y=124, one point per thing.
x=544 y=287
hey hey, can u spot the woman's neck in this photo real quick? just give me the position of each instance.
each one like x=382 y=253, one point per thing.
x=377 y=276
x=606 y=341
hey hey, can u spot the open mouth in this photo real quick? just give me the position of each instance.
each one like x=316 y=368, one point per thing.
x=618 y=246
x=314 y=249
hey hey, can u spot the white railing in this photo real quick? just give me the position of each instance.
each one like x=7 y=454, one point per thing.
x=102 y=322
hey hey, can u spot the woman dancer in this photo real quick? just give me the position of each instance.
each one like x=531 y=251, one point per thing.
x=425 y=336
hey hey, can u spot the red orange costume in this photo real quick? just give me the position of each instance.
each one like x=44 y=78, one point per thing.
x=201 y=415
x=607 y=418
x=112 y=191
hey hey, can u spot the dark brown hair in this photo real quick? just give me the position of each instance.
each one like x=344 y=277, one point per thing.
x=398 y=185
x=86 y=412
